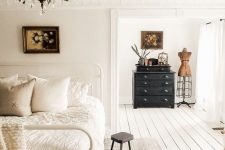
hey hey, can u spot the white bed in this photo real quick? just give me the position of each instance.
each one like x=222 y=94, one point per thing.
x=78 y=128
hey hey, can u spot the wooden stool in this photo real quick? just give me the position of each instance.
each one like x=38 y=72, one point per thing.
x=121 y=138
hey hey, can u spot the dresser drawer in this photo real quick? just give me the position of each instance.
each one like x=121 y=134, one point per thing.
x=154 y=91
x=162 y=91
x=153 y=68
x=148 y=100
x=142 y=91
x=155 y=83
x=144 y=76
x=142 y=83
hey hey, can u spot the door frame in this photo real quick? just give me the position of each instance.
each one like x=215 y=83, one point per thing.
x=116 y=14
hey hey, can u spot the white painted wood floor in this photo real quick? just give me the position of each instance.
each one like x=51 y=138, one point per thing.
x=174 y=129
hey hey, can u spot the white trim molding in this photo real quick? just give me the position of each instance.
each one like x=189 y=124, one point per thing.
x=114 y=73
x=14 y=4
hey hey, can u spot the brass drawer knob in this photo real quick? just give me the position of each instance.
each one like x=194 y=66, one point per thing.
x=145 y=82
x=145 y=76
x=166 y=83
x=166 y=99
x=145 y=99
x=166 y=91
x=145 y=90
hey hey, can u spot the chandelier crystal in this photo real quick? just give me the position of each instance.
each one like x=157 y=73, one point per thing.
x=43 y=3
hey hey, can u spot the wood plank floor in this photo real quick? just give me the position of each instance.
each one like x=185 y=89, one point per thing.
x=174 y=129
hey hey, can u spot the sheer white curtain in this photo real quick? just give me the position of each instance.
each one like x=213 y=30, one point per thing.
x=210 y=77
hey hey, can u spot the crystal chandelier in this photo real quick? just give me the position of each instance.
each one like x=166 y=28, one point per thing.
x=43 y=3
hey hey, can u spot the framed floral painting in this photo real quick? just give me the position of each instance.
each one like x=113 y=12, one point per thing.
x=152 y=39
x=40 y=39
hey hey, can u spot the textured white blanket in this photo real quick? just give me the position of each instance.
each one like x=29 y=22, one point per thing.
x=2 y=142
x=89 y=118
x=11 y=137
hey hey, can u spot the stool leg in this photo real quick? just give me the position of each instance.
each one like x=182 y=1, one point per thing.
x=129 y=145
x=121 y=146
x=112 y=145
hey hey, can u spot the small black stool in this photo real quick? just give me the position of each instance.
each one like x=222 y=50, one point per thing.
x=121 y=138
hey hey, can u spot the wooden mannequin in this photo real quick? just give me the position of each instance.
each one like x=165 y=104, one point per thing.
x=184 y=69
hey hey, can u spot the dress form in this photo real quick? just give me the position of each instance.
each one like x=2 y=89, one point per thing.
x=184 y=69
x=184 y=81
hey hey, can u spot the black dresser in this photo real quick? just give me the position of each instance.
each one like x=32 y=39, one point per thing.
x=153 y=89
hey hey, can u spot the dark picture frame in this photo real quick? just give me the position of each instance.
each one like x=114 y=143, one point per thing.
x=152 y=39
x=40 y=39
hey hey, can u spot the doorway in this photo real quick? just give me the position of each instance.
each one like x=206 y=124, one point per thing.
x=181 y=31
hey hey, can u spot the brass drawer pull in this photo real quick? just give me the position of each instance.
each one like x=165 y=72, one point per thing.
x=166 y=83
x=145 y=99
x=166 y=91
x=145 y=90
x=166 y=99
x=145 y=76
x=145 y=82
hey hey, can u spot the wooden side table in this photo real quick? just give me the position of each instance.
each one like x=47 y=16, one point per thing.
x=121 y=138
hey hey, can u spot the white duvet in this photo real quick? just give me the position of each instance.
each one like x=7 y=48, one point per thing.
x=88 y=120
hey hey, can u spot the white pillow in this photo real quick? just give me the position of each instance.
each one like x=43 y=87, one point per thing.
x=15 y=100
x=9 y=81
x=77 y=92
x=49 y=95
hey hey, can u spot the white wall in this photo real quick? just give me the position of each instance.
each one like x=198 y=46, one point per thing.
x=178 y=33
x=84 y=37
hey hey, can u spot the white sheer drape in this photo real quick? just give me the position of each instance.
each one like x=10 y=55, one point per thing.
x=210 y=78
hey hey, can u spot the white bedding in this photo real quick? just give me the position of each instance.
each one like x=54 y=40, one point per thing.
x=89 y=119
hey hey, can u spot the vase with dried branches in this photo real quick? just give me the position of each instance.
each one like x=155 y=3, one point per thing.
x=142 y=54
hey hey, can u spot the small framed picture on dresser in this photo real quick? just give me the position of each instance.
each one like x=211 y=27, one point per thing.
x=40 y=39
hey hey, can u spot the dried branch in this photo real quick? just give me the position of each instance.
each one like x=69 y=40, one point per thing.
x=143 y=54
x=136 y=51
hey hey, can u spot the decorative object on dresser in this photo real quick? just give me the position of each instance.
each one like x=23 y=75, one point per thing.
x=40 y=39
x=163 y=58
x=153 y=61
x=152 y=39
x=142 y=54
x=153 y=86
x=184 y=80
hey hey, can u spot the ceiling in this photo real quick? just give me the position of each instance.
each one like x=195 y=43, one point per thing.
x=13 y=4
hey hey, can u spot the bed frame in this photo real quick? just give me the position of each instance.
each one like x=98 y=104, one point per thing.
x=91 y=73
